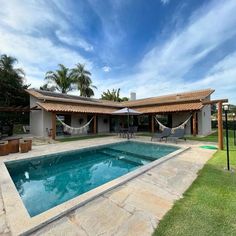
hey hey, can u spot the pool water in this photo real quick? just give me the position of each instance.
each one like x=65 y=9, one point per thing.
x=47 y=181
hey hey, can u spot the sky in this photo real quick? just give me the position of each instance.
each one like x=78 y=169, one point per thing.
x=153 y=47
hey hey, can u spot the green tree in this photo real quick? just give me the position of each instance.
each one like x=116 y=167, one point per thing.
x=62 y=79
x=47 y=87
x=83 y=81
x=113 y=95
x=12 y=88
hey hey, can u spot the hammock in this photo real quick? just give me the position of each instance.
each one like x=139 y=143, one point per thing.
x=73 y=130
x=173 y=129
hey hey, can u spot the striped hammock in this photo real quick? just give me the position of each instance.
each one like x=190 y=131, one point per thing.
x=74 y=130
x=182 y=126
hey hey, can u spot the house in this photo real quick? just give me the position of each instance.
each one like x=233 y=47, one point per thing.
x=76 y=111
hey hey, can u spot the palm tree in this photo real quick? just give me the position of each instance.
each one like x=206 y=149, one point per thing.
x=62 y=78
x=11 y=82
x=113 y=95
x=82 y=79
x=7 y=66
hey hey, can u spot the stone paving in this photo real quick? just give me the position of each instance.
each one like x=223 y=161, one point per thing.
x=134 y=208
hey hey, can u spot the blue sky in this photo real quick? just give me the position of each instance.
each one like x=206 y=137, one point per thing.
x=150 y=47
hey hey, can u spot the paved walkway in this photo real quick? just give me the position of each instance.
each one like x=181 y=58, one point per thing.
x=134 y=208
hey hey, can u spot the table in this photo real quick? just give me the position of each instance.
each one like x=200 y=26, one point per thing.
x=13 y=144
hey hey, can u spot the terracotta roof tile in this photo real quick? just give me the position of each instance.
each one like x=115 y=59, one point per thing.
x=61 y=107
x=170 y=108
x=172 y=98
x=170 y=103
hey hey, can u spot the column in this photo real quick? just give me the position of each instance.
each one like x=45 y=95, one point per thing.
x=194 y=123
x=53 y=125
x=153 y=123
x=95 y=124
x=220 y=127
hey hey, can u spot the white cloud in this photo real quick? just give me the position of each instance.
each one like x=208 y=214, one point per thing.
x=36 y=54
x=74 y=41
x=163 y=68
x=29 y=16
x=106 y=68
x=164 y=2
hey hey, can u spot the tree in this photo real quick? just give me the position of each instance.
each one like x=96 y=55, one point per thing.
x=113 y=95
x=12 y=88
x=61 y=78
x=46 y=87
x=82 y=78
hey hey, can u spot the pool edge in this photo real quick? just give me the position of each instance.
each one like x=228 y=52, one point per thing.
x=22 y=224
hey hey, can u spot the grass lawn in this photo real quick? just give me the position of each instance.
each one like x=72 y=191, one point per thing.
x=209 y=205
x=83 y=137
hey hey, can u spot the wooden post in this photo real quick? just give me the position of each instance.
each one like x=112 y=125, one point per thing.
x=194 y=123
x=220 y=127
x=123 y=121
x=153 y=123
x=95 y=124
x=53 y=125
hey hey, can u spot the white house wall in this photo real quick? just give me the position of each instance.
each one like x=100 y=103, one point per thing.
x=179 y=117
x=204 y=121
x=103 y=127
x=36 y=119
x=47 y=122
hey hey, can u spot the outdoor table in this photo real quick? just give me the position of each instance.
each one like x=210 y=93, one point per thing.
x=13 y=144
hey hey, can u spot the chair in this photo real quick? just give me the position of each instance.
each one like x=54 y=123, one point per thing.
x=164 y=134
x=133 y=130
x=26 y=128
x=178 y=134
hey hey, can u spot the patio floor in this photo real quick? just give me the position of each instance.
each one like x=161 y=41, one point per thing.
x=134 y=208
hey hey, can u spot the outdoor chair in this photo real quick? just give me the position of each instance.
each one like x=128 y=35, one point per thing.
x=132 y=131
x=164 y=134
x=178 y=134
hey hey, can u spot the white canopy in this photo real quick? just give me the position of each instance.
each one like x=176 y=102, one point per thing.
x=126 y=111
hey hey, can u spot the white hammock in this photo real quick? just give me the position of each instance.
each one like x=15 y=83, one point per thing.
x=74 y=130
x=173 y=129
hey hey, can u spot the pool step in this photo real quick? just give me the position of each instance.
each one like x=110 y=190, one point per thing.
x=133 y=154
x=125 y=157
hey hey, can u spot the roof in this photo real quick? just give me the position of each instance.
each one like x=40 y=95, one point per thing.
x=59 y=97
x=187 y=101
x=75 y=108
x=171 y=98
x=189 y=106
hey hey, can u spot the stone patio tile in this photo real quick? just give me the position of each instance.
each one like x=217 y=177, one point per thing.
x=62 y=227
x=120 y=194
x=101 y=217
x=4 y=230
x=148 y=202
x=139 y=224
x=146 y=185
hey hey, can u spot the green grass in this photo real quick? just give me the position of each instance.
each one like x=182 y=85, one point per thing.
x=83 y=137
x=210 y=138
x=209 y=205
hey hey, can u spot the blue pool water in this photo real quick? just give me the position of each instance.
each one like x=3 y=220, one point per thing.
x=45 y=182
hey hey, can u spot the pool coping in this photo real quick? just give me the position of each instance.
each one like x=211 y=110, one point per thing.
x=18 y=217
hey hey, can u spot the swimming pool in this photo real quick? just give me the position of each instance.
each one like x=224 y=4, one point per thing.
x=47 y=181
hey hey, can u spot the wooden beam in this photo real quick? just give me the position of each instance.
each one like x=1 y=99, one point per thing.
x=194 y=123
x=153 y=123
x=220 y=127
x=214 y=101
x=95 y=124
x=53 y=133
